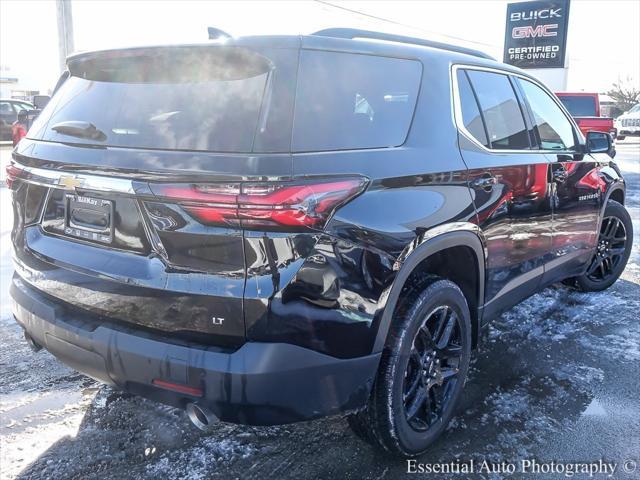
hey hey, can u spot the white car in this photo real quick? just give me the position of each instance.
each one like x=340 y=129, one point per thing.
x=629 y=122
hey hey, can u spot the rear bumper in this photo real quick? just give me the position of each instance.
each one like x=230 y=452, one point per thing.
x=258 y=384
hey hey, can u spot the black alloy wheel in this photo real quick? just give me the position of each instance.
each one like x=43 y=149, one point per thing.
x=610 y=250
x=433 y=368
x=422 y=371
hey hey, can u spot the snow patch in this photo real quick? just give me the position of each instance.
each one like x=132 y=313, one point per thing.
x=200 y=460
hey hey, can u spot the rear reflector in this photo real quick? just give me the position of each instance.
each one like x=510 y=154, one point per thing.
x=177 y=387
x=266 y=204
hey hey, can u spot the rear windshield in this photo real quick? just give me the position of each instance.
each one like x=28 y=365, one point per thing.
x=579 y=106
x=350 y=101
x=222 y=99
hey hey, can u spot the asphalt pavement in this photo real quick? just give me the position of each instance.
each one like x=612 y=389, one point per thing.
x=556 y=380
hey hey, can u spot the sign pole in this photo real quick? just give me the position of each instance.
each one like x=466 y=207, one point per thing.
x=65 y=31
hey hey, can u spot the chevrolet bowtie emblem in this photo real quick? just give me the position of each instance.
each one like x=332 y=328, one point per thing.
x=70 y=182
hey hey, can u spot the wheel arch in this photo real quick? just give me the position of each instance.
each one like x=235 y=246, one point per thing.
x=617 y=193
x=612 y=183
x=467 y=236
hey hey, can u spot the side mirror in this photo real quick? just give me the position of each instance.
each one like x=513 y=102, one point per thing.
x=40 y=101
x=600 y=142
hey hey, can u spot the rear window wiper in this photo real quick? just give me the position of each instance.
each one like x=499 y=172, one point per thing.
x=80 y=129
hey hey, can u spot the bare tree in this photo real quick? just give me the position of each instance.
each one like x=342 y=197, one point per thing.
x=626 y=93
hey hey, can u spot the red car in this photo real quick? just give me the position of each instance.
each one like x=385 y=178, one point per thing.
x=585 y=109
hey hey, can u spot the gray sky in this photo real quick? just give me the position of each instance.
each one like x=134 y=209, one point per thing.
x=603 y=44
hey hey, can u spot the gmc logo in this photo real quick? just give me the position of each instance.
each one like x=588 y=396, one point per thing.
x=533 y=32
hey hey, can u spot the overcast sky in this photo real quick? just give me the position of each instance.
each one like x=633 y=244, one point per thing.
x=604 y=36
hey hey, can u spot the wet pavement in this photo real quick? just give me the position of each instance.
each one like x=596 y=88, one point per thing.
x=557 y=379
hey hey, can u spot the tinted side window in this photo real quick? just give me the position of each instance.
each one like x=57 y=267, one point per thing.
x=501 y=110
x=347 y=101
x=554 y=128
x=22 y=106
x=5 y=108
x=471 y=117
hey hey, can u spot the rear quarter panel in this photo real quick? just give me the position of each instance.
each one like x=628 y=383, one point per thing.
x=327 y=291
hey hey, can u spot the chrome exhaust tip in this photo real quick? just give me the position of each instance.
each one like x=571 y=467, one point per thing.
x=200 y=416
x=33 y=345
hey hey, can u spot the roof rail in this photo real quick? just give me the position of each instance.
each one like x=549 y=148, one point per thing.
x=390 y=37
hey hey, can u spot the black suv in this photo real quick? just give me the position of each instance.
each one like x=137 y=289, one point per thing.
x=273 y=229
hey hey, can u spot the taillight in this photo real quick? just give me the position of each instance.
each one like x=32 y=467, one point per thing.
x=211 y=204
x=13 y=172
x=264 y=204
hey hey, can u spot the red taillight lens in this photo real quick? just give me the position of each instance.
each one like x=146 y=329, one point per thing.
x=13 y=172
x=266 y=204
x=210 y=204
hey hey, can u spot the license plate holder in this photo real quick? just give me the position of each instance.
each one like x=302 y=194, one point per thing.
x=89 y=218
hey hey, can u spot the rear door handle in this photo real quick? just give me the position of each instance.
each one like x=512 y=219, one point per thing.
x=486 y=182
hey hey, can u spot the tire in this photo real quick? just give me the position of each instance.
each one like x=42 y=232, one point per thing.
x=613 y=250
x=403 y=379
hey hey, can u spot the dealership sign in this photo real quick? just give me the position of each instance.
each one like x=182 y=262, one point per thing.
x=536 y=34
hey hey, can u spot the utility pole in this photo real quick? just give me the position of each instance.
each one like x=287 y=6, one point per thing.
x=65 y=31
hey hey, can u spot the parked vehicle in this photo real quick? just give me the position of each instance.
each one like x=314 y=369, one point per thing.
x=608 y=106
x=629 y=122
x=40 y=101
x=585 y=109
x=275 y=229
x=9 y=110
